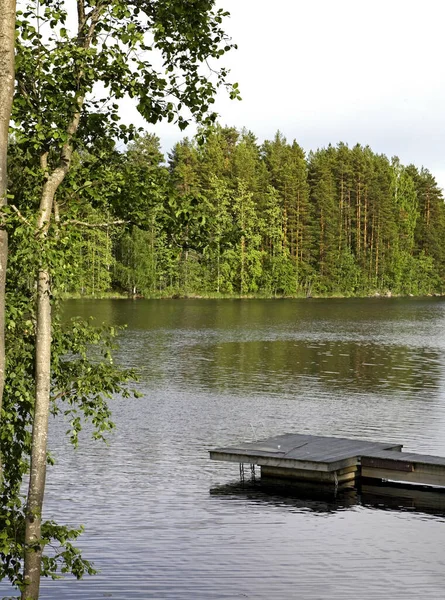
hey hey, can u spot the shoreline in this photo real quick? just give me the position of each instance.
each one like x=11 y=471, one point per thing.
x=176 y=296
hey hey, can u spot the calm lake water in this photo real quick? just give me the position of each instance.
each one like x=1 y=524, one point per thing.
x=163 y=521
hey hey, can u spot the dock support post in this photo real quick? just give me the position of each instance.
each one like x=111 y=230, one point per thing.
x=241 y=472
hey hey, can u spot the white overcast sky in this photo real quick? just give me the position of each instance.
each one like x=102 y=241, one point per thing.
x=324 y=71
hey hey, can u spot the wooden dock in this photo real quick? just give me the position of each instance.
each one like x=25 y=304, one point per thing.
x=331 y=460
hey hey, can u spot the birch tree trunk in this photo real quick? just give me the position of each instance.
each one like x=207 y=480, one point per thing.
x=7 y=38
x=37 y=477
x=33 y=548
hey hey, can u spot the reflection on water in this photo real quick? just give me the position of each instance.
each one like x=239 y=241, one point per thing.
x=421 y=500
x=277 y=366
x=271 y=345
x=296 y=497
x=328 y=499
x=210 y=370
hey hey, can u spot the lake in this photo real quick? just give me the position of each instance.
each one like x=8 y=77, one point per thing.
x=163 y=521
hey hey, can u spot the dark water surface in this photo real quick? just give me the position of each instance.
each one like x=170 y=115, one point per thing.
x=163 y=521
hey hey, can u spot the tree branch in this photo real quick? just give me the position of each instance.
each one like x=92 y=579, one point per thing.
x=21 y=217
x=81 y=13
x=93 y=225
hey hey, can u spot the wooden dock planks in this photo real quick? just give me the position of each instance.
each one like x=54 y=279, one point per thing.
x=406 y=467
x=334 y=460
x=301 y=452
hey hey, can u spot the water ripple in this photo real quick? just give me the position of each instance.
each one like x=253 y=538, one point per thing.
x=162 y=521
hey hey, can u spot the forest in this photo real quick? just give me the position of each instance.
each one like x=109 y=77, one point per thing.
x=225 y=215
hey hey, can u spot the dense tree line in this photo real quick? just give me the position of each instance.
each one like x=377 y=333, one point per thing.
x=226 y=215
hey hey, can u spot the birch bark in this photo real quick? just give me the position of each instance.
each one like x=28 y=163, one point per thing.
x=7 y=39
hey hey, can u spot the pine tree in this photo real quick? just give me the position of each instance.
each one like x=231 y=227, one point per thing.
x=248 y=259
x=327 y=216
x=185 y=214
x=287 y=171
